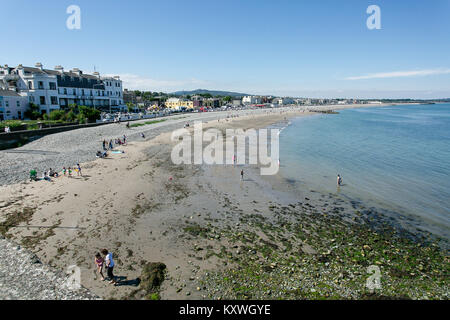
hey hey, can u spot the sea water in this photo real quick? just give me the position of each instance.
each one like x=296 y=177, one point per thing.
x=395 y=158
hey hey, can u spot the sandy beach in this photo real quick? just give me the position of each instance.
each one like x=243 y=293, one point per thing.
x=199 y=220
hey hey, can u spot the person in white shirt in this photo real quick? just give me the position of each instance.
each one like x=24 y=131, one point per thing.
x=109 y=264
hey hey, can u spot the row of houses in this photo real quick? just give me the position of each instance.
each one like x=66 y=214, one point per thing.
x=194 y=102
x=197 y=102
x=55 y=89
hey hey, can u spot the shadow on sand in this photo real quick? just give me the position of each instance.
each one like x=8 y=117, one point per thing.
x=122 y=281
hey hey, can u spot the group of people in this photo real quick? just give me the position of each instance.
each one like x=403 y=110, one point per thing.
x=105 y=259
x=110 y=146
x=48 y=175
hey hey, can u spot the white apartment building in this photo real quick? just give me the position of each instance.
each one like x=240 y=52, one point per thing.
x=55 y=89
x=251 y=100
x=283 y=101
x=12 y=105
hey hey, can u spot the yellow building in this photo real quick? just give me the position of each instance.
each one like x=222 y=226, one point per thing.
x=177 y=103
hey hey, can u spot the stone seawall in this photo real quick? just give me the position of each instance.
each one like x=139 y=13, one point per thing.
x=11 y=140
x=24 y=277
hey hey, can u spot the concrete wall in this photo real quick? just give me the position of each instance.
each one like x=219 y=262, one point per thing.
x=11 y=140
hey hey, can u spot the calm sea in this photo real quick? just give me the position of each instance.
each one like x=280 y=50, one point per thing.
x=396 y=158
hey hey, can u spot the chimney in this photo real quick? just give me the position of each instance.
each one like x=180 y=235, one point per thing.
x=97 y=74
x=77 y=71
x=59 y=69
x=39 y=65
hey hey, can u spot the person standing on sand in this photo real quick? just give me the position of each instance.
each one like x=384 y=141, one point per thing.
x=79 y=170
x=99 y=263
x=242 y=175
x=109 y=266
x=110 y=145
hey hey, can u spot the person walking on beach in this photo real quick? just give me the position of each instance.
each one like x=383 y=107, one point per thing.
x=99 y=263
x=242 y=175
x=104 y=144
x=110 y=145
x=79 y=170
x=109 y=262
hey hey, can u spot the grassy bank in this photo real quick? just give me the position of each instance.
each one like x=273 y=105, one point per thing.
x=146 y=123
x=16 y=125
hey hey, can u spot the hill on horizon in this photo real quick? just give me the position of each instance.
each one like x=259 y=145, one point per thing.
x=211 y=92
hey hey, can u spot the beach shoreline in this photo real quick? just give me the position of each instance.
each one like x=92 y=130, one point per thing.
x=145 y=209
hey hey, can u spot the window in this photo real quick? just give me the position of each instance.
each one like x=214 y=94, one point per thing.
x=54 y=100
x=65 y=91
x=30 y=85
x=52 y=85
x=42 y=99
x=6 y=103
x=18 y=104
x=41 y=85
x=74 y=92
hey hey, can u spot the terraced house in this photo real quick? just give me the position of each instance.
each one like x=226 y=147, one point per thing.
x=56 y=89
x=12 y=105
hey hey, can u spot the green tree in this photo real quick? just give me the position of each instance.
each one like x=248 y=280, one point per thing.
x=91 y=114
x=206 y=95
x=130 y=106
x=71 y=116
x=57 y=115
x=81 y=118
x=33 y=112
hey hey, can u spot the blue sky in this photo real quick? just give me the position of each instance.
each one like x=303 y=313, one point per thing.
x=297 y=48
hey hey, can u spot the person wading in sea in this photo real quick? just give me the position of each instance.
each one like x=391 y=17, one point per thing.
x=339 y=180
